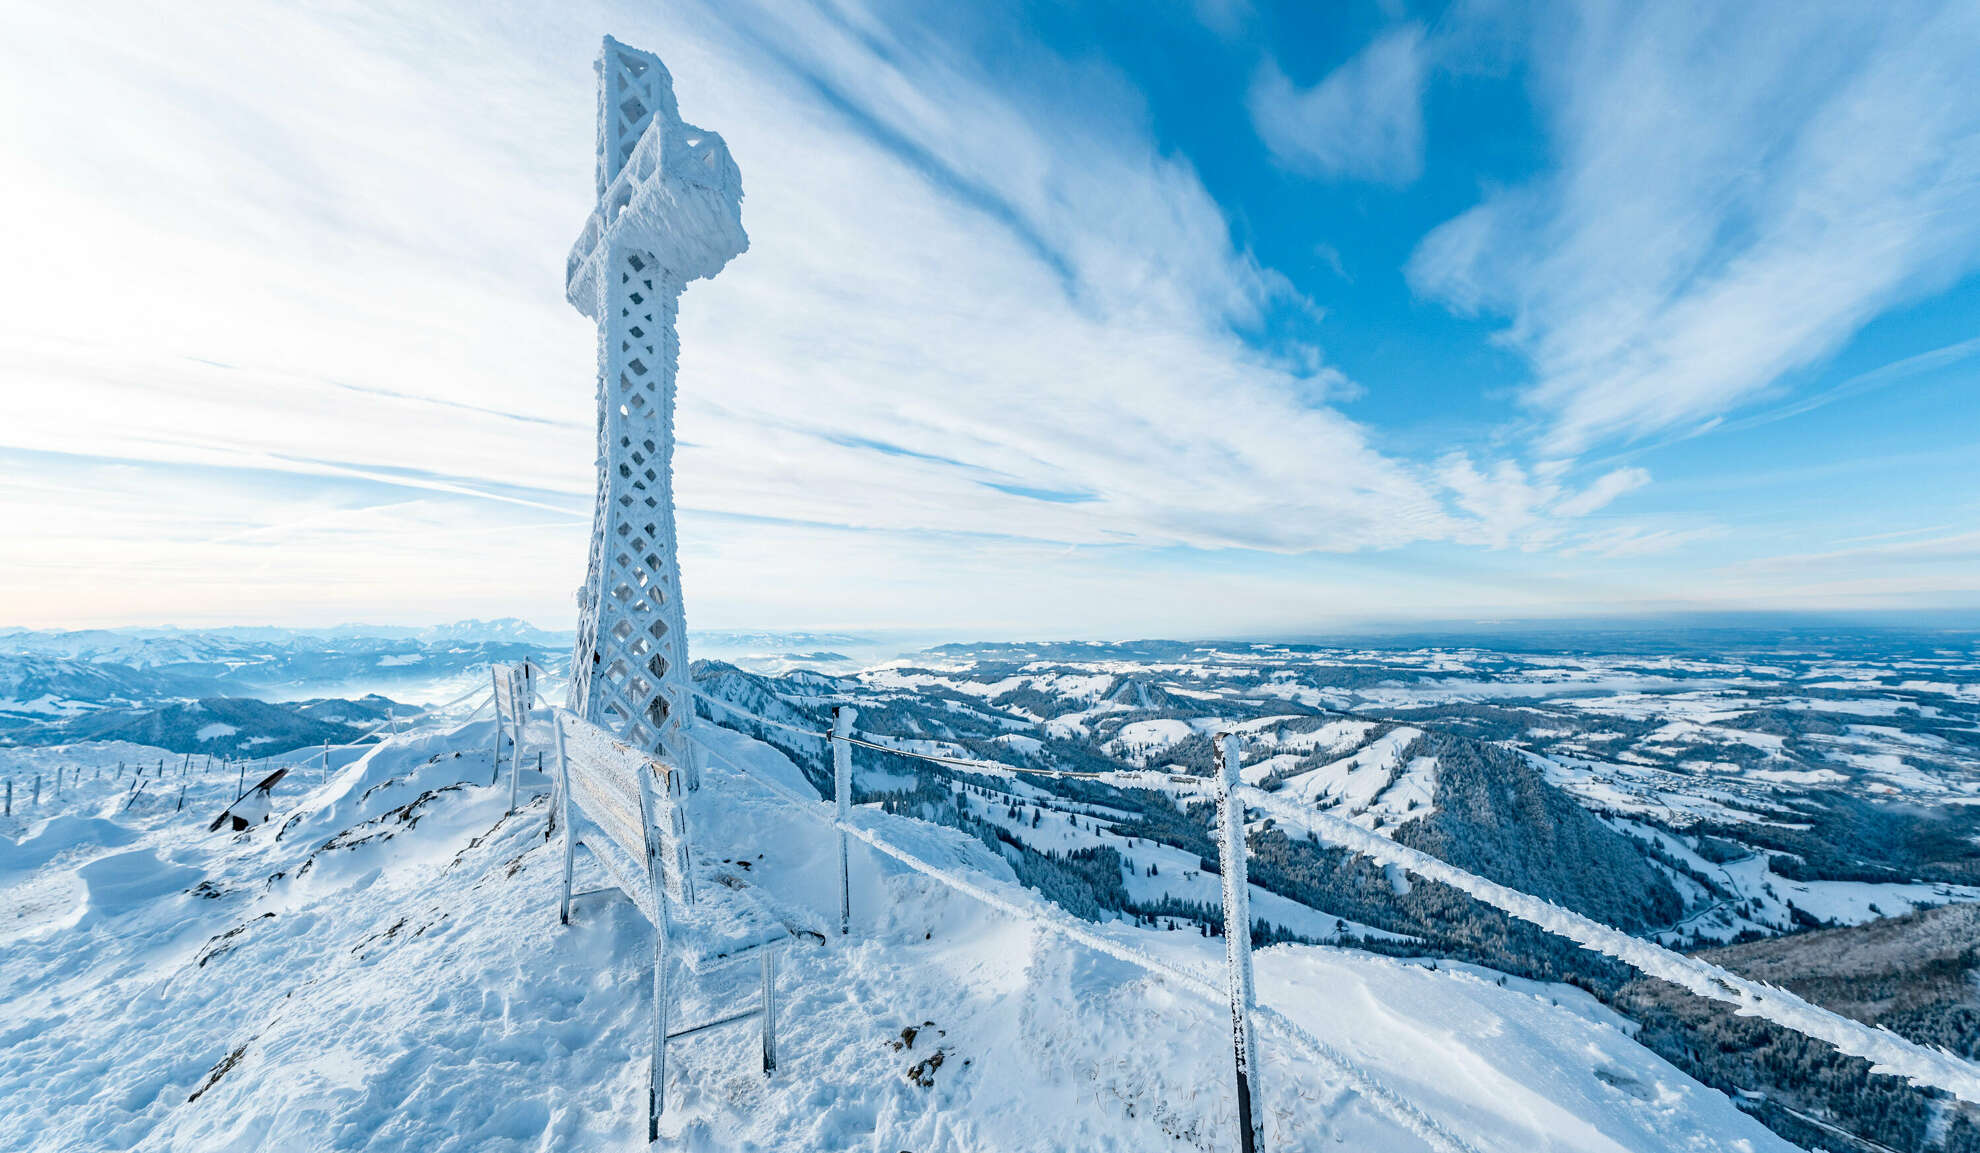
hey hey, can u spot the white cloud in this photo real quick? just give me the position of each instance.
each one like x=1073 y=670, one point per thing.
x=1606 y=488
x=1625 y=541
x=1362 y=121
x=1737 y=191
x=983 y=362
x=331 y=244
x=1512 y=505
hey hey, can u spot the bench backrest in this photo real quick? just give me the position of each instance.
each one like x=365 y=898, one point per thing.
x=634 y=798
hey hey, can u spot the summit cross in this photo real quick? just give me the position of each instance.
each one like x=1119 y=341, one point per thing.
x=669 y=211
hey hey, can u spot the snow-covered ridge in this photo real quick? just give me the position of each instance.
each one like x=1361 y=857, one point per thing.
x=379 y=963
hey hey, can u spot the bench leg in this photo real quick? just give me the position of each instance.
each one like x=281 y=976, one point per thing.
x=770 y=1009
x=564 y=904
x=656 y=1081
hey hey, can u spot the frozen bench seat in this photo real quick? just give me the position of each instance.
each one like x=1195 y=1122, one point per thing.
x=625 y=807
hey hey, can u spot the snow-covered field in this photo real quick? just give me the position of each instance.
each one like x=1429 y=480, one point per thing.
x=379 y=965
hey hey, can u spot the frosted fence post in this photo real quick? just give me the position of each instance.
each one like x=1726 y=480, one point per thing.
x=37 y=790
x=182 y=796
x=656 y=883
x=563 y=812
x=1237 y=944
x=10 y=796
x=240 y=778
x=326 y=760
x=58 y=782
x=495 y=684
x=521 y=705
x=770 y=1009
x=842 y=791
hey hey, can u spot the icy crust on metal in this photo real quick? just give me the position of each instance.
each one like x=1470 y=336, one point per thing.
x=669 y=211
x=664 y=186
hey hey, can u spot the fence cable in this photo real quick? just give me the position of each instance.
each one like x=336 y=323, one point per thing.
x=1384 y=1099
x=996 y=768
x=1885 y=1050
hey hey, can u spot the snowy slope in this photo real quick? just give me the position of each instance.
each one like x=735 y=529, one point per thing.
x=379 y=966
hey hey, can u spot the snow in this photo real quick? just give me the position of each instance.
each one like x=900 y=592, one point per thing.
x=1372 y=783
x=124 y=881
x=215 y=731
x=1139 y=740
x=1766 y=894
x=1887 y=1052
x=379 y=966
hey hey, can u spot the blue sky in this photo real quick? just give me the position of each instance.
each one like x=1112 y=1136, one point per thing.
x=1083 y=320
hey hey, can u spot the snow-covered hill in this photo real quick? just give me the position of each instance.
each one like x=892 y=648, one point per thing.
x=52 y=679
x=379 y=965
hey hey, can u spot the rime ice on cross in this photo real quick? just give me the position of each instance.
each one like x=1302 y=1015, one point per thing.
x=669 y=211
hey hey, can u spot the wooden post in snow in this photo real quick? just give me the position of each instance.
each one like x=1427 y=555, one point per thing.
x=842 y=784
x=1237 y=946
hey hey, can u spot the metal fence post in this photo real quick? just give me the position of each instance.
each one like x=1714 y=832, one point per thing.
x=10 y=796
x=564 y=813
x=516 y=754
x=495 y=684
x=1237 y=945
x=770 y=1009
x=842 y=786
x=656 y=883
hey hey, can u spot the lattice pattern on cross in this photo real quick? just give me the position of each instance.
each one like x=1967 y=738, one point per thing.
x=669 y=211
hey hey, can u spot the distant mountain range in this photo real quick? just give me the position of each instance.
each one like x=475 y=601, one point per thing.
x=246 y=688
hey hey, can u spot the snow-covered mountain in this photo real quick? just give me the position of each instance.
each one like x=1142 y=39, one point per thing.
x=1480 y=757
x=379 y=965
x=52 y=684
x=1686 y=798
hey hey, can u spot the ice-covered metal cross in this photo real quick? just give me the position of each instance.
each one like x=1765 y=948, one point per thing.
x=669 y=211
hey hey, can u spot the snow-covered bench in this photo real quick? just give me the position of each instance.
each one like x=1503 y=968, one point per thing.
x=625 y=806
